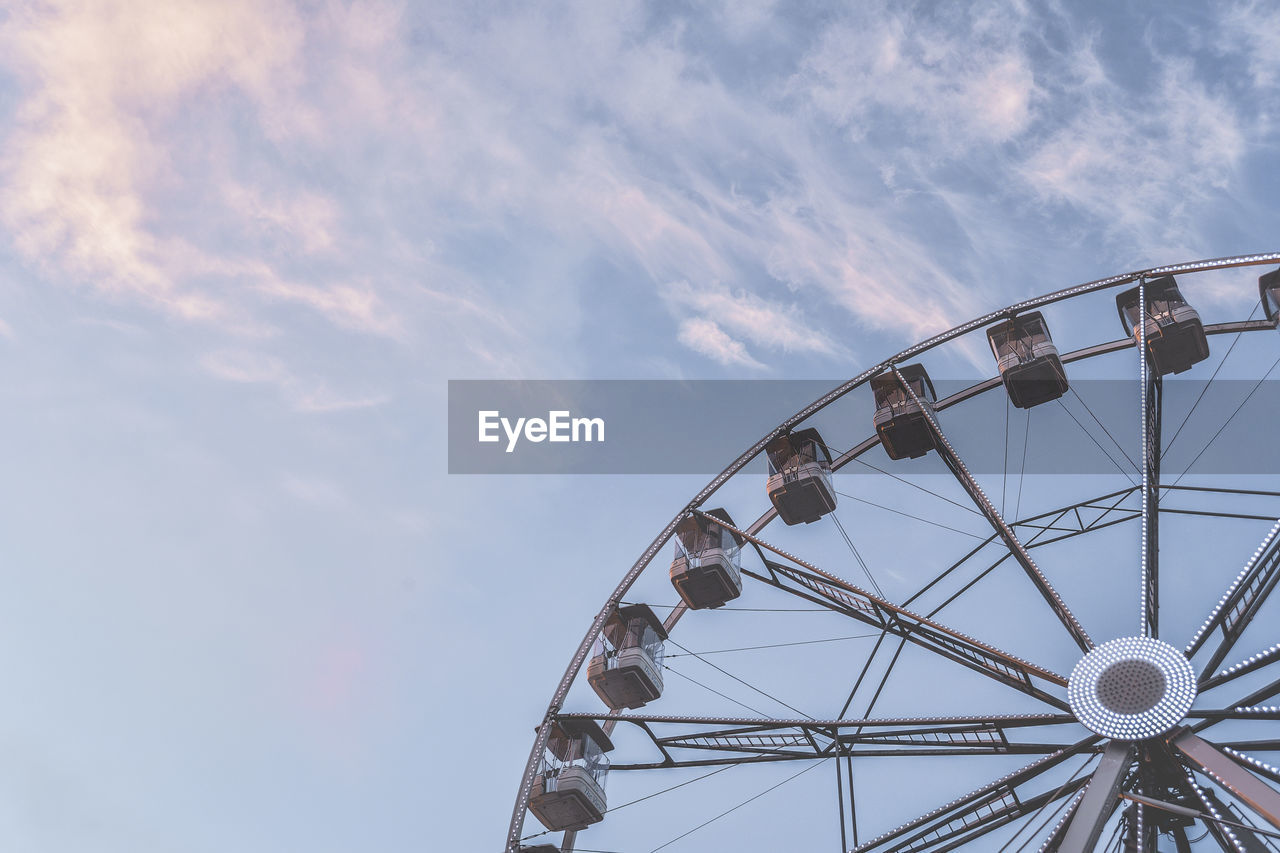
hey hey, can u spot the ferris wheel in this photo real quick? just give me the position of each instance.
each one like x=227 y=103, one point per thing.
x=914 y=648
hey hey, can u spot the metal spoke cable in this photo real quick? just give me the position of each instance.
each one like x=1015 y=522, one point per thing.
x=740 y=805
x=884 y=679
x=1115 y=842
x=908 y=515
x=837 y=453
x=1097 y=421
x=1022 y=474
x=777 y=645
x=1205 y=389
x=675 y=671
x=861 y=562
x=1004 y=482
x=1098 y=444
x=1227 y=422
x=1036 y=832
x=672 y=788
x=918 y=486
x=739 y=680
x=988 y=570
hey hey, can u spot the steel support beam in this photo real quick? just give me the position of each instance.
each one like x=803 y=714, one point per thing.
x=1259 y=796
x=1241 y=602
x=979 y=811
x=753 y=740
x=1100 y=799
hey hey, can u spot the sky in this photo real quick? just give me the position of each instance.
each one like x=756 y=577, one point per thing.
x=245 y=245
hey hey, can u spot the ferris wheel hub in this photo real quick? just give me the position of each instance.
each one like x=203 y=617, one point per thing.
x=1132 y=688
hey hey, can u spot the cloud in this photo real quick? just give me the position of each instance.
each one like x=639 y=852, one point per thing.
x=1252 y=29
x=705 y=337
x=302 y=219
x=304 y=395
x=121 y=172
x=949 y=80
x=771 y=324
x=86 y=152
x=193 y=159
x=351 y=306
x=407 y=174
x=1143 y=165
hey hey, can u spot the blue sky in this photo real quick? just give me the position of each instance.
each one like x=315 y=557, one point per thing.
x=246 y=244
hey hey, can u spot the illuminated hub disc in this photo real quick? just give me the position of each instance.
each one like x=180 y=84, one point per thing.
x=1132 y=688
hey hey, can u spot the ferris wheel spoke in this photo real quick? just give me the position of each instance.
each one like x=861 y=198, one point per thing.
x=1250 y=664
x=702 y=741
x=1100 y=799
x=1268 y=745
x=997 y=521
x=1152 y=390
x=821 y=588
x=1248 y=708
x=982 y=810
x=1214 y=808
x=813 y=584
x=1224 y=768
x=1257 y=765
x=1240 y=603
x=1046 y=528
x=1239 y=712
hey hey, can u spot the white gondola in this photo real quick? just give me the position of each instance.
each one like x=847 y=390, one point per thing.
x=568 y=792
x=799 y=482
x=626 y=663
x=1030 y=367
x=1269 y=293
x=706 y=572
x=1175 y=335
x=901 y=424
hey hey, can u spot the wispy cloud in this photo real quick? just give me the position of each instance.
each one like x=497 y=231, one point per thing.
x=1252 y=30
x=705 y=337
x=767 y=323
x=87 y=154
x=948 y=79
x=407 y=174
x=1142 y=164
x=304 y=395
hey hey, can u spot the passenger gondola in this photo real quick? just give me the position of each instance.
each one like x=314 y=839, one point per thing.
x=706 y=572
x=1175 y=335
x=900 y=422
x=568 y=792
x=799 y=482
x=626 y=664
x=1029 y=365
